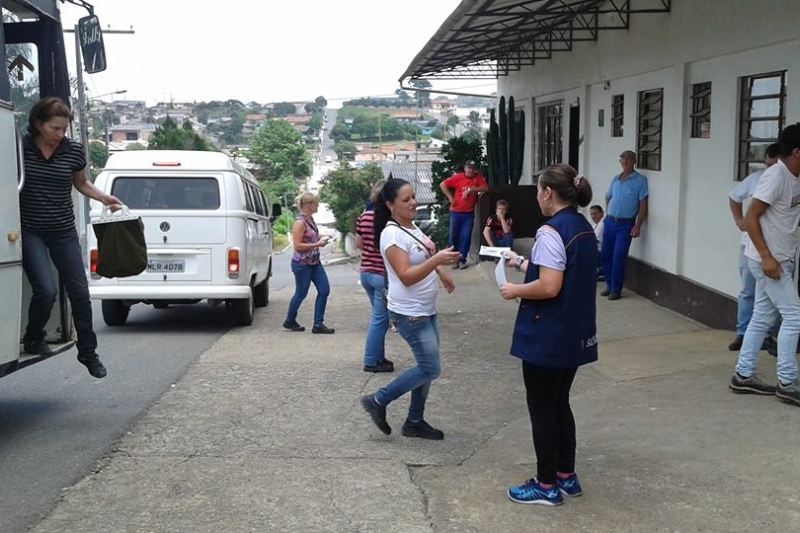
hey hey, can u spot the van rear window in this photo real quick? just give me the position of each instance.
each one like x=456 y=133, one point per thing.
x=167 y=193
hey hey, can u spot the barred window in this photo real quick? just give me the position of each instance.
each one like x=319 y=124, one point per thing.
x=617 y=113
x=648 y=145
x=762 y=114
x=701 y=110
x=549 y=134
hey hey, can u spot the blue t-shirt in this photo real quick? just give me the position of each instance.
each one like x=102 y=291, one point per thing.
x=624 y=196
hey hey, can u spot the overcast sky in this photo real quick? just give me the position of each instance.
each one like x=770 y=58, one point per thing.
x=263 y=51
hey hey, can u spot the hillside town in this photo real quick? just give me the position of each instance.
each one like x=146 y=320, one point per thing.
x=123 y=124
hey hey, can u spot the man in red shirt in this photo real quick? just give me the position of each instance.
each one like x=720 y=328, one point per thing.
x=466 y=186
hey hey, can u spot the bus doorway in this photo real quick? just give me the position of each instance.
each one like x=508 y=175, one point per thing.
x=32 y=41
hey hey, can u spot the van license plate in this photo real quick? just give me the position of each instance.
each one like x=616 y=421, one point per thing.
x=165 y=265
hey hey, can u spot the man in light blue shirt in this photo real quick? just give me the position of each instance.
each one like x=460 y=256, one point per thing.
x=744 y=191
x=626 y=211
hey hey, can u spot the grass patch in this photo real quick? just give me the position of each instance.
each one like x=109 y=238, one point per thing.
x=281 y=241
x=353 y=112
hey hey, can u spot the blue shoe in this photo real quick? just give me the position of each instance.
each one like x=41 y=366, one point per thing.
x=532 y=492
x=570 y=486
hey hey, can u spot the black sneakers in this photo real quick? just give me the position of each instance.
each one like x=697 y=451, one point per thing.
x=750 y=385
x=422 y=429
x=614 y=296
x=383 y=365
x=789 y=393
x=94 y=365
x=737 y=343
x=322 y=328
x=377 y=413
x=605 y=292
x=37 y=347
x=293 y=326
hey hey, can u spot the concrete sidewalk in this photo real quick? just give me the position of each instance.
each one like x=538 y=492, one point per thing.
x=265 y=433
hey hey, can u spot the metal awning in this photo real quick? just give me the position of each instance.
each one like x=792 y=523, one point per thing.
x=485 y=39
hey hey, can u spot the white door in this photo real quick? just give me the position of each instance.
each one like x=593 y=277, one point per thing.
x=10 y=243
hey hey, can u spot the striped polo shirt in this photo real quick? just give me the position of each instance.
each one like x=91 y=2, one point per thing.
x=371 y=260
x=45 y=202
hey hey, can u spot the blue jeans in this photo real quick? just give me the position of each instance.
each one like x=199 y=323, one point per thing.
x=461 y=231
x=506 y=240
x=374 y=348
x=304 y=275
x=616 y=243
x=747 y=297
x=773 y=298
x=422 y=335
x=64 y=249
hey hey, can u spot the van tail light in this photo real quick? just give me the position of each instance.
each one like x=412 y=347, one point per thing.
x=93 y=263
x=233 y=263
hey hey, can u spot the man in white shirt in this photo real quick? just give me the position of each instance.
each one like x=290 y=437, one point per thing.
x=597 y=214
x=771 y=224
x=744 y=191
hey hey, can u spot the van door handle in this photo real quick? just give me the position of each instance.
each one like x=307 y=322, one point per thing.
x=20 y=161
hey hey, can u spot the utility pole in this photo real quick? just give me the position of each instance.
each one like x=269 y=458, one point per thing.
x=82 y=103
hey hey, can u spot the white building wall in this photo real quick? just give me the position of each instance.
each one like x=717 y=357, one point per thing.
x=689 y=231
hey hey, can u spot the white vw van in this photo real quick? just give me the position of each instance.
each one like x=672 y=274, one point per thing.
x=208 y=229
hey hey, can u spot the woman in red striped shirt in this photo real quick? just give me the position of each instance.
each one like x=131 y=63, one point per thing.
x=373 y=279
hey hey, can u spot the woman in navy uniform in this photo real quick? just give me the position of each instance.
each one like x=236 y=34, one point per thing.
x=555 y=330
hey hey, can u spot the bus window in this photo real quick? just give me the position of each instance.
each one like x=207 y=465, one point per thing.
x=23 y=80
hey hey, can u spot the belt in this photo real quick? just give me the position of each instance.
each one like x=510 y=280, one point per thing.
x=616 y=219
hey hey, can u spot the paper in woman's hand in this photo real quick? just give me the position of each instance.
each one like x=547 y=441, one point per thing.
x=500 y=272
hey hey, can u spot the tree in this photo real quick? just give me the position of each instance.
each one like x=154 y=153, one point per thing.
x=423 y=97
x=346 y=191
x=169 y=137
x=365 y=127
x=474 y=120
x=452 y=121
x=277 y=150
x=343 y=149
x=136 y=146
x=405 y=99
x=284 y=109
x=97 y=154
x=340 y=132
x=321 y=102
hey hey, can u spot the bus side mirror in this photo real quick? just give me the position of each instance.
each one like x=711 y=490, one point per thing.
x=92 y=47
x=276 y=211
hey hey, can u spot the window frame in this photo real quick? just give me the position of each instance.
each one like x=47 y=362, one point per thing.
x=746 y=165
x=701 y=110
x=649 y=141
x=549 y=133
x=617 y=115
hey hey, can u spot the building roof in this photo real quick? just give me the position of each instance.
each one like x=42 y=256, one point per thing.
x=418 y=175
x=485 y=39
x=133 y=127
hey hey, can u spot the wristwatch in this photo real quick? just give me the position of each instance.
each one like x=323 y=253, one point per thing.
x=518 y=262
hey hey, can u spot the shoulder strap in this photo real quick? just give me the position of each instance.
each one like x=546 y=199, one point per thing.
x=427 y=253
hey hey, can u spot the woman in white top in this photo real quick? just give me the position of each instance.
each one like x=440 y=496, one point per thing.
x=412 y=266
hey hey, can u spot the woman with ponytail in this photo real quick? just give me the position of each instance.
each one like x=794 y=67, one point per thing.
x=555 y=330
x=412 y=267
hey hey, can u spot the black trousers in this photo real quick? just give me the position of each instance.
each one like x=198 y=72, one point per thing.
x=552 y=423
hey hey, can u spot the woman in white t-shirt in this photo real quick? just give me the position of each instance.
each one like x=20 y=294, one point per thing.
x=412 y=266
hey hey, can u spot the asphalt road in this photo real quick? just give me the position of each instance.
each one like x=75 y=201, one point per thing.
x=56 y=421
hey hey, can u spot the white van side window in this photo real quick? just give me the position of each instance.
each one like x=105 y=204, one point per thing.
x=261 y=204
x=167 y=193
x=248 y=196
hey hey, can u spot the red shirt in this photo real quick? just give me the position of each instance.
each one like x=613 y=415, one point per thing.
x=459 y=182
